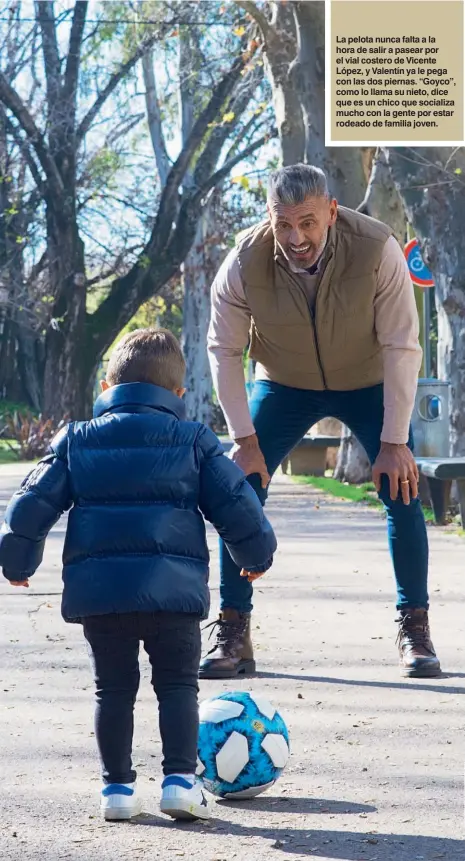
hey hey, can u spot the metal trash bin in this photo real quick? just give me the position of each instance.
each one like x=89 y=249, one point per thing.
x=430 y=419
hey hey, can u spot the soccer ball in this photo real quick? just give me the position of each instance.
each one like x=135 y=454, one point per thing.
x=243 y=745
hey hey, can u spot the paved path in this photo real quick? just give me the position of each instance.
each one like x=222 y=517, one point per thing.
x=377 y=762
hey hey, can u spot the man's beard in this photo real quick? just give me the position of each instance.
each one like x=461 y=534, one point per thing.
x=322 y=245
x=294 y=258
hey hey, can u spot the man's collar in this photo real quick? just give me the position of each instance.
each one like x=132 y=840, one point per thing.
x=312 y=270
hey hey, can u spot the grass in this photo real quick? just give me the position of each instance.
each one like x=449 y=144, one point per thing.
x=9 y=456
x=365 y=493
x=353 y=492
x=9 y=408
x=6 y=454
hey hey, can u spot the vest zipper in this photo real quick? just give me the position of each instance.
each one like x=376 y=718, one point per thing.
x=312 y=319
x=317 y=347
x=325 y=274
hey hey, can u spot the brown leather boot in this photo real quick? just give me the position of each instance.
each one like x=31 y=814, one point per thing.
x=232 y=654
x=417 y=656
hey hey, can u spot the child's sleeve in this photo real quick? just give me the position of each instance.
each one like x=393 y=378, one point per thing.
x=231 y=505
x=38 y=504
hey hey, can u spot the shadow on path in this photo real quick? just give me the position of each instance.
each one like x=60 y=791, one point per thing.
x=414 y=685
x=342 y=845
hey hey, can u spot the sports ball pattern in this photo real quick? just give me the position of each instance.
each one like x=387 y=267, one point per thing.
x=243 y=745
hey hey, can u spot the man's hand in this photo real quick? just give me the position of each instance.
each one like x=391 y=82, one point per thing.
x=252 y=575
x=24 y=583
x=246 y=453
x=398 y=463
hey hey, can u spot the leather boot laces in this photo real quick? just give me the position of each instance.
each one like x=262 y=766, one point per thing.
x=415 y=631
x=226 y=633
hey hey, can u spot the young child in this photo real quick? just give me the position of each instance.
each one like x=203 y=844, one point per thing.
x=137 y=480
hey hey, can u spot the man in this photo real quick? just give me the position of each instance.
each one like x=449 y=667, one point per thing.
x=323 y=296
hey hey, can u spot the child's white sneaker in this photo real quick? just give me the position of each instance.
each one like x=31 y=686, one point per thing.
x=119 y=801
x=183 y=800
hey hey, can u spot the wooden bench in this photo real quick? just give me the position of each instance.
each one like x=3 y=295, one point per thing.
x=439 y=474
x=307 y=458
x=310 y=455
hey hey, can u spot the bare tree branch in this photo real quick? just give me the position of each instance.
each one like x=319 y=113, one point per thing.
x=154 y=118
x=115 y=79
x=70 y=86
x=139 y=284
x=169 y=199
x=15 y=104
x=253 y=125
x=25 y=150
x=223 y=171
x=45 y=13
x=255 y=13
x=188 y=70
x=237 y=105
x=114 y=269
x=36 y=269
x=19 y=53
x=124 y=128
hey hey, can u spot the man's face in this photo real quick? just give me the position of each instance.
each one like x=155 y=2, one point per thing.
x=301 y=230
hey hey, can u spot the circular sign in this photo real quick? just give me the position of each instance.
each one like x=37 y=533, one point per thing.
x=419 y=273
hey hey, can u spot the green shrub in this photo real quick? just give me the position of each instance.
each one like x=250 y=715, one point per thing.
x=29 y=436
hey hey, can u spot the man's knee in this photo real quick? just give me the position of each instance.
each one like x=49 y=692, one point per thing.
x=397 y=507
x=256 y=482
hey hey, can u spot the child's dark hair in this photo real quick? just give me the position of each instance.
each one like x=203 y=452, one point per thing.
x=148 y=356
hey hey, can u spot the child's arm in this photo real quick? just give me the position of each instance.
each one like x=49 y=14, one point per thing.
x=39 y=503
x=228 y=501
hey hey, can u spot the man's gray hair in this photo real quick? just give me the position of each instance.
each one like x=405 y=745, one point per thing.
x=293 y=184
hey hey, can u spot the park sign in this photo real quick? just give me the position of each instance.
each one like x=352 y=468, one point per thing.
x=419 y=273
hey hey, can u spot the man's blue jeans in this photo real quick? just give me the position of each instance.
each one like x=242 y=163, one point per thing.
x=282 y=416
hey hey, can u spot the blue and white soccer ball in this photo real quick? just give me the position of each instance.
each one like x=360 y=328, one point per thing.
x=243 y=745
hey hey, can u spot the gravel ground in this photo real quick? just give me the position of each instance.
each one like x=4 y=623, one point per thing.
x=376 y=771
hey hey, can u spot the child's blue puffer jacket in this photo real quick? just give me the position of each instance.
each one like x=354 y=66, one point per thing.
x=137 y=479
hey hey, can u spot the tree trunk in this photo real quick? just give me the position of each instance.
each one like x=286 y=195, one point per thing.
x=451 y=364
x=352 y=465
x=65 y=376
x=8 y=364
x=430 y=181
x=68 y=363
x=343 y=166
x=330 y=427
x=295 y=66
x=199 y=270
x=30 y=362
x=20 y=360
x=18 y=378
x=279 y=54
x=382 y=200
